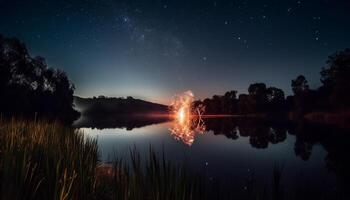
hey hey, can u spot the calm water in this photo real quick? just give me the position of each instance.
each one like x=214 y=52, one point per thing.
x=234 y=149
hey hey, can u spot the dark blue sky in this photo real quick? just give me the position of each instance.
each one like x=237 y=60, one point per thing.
x=154 y=49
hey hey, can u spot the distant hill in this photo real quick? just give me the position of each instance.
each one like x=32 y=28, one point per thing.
x=117 y=106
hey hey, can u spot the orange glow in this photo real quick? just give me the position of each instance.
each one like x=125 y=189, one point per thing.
x=187 y=121
x=181 y=115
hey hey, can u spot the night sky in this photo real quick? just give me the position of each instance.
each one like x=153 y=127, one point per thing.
x=154 y=49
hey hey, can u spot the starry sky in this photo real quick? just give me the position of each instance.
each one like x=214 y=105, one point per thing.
x=155 y=49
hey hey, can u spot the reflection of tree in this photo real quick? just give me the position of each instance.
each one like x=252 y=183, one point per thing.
x=303 y=149
x=260 y=137
x=222 y=126
x=334 y=141
x=337 y=159
x=277 y=135
x=264 y=135
x=260 y=132
x=306 y=136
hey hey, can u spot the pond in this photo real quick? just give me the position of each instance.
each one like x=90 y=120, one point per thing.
x=233 y=149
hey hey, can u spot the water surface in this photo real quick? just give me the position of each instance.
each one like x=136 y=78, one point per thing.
x=234 y=149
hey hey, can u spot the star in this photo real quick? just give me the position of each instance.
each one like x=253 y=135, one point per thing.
x=126 y=19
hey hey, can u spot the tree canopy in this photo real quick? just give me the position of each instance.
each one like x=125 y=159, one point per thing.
x=333 y=94
x=336 y=78
x=29 y=86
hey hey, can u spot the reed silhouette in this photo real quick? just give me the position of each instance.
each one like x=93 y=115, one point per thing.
x=41 y=160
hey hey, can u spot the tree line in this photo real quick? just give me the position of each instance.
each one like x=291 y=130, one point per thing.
x=29 y=88
x=333 y=94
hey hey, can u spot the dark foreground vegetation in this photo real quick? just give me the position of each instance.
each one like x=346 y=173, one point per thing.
x=330 y=103
x=45 y=161
x=42 y=160
x=29 y=88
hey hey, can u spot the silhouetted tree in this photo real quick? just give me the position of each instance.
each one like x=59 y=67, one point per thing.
x=336 y=79
x=217 y=104
x=300 y=85
x=230 y=102
x=258 y=96
x=289 y=103
x=335 y=93
x=28 y=86
x=245 y=105
x=275 y=98
x=302 y=95
x=259 y=100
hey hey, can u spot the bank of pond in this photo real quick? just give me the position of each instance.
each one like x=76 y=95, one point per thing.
x=46 y=160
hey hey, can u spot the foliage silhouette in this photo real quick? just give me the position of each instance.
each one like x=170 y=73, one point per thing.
x=259 y=100
x=336 y=79
x=30 y=88
x=332 y=97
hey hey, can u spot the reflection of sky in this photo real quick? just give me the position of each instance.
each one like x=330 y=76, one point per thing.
x=217 y=155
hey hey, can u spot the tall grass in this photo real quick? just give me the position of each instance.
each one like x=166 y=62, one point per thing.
x=41 y=160
x=154 y=178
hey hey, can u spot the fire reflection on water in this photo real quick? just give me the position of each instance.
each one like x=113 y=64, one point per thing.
x=187 y=120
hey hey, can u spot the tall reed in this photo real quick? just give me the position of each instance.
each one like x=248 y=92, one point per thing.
x=40 y=160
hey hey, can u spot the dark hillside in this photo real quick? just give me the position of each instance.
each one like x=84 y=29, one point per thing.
x=111 y=106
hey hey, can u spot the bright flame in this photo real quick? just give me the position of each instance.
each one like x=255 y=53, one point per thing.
x=187 y=121
x=181 y=115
